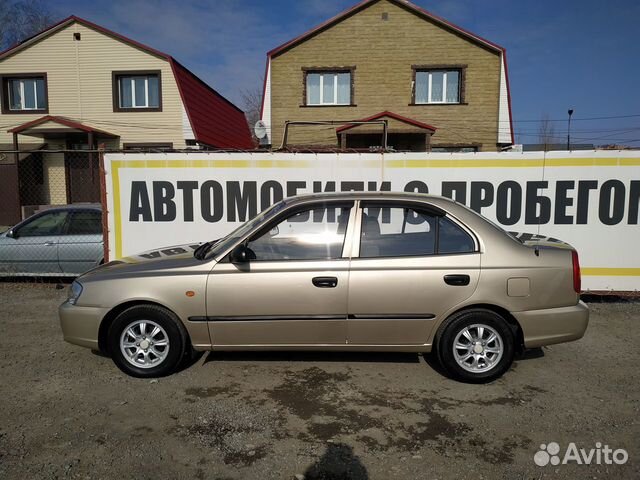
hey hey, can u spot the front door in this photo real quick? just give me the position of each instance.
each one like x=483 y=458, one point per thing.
x=33 y=249
x=413 y=265
x=83 y=172
x=294 y=289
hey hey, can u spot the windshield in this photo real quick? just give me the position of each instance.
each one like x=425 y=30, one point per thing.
x=245 y=228
x=490 y=222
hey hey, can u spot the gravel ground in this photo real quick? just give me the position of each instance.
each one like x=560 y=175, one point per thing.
x=69 y=413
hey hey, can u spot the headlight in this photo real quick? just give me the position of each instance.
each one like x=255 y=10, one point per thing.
x=74 y=293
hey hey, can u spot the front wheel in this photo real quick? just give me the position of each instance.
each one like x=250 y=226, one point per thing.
x=476 y=346
x=147 y=341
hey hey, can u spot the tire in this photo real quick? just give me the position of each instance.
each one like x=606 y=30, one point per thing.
x=155 y=328
x=475 y=360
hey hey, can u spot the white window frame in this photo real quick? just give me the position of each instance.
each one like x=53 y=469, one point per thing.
x=22 y=96
x=132 y=79
x=335 y=87
x=444 y=86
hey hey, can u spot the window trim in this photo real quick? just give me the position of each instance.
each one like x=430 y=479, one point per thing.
x=462 y=72
x=115 y=87
x=320 y=70
x=4 y=85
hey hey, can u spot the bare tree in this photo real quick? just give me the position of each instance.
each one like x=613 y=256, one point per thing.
x=251 y=104
x=546 y=132
x=20 y=19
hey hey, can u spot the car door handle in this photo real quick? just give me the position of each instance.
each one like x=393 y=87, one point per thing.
x=457 y=280
x=325 y=282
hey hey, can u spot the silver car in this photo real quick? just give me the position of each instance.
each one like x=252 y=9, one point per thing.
x=60 y=241
x=344 y=271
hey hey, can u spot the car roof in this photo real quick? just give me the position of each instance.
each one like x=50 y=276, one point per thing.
x=74 y=206
x=422 y=197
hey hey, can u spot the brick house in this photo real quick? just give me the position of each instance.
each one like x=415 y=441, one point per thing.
x=439 y=86
x=77 y=85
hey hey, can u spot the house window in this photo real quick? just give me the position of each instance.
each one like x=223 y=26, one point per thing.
x=24 y=94
x=328 y=87
x=437 y=86
x=137 y=91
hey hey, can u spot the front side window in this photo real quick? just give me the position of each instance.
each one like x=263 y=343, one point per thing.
x=138 y=91
x=313 y=234
x=328 y=88
x=25 y=94
x=437 y=86
x=44 y=225
x=401 y=231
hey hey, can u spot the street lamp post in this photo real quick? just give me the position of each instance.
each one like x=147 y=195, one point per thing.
x=570 y=112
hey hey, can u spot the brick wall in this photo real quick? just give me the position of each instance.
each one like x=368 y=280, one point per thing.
x=383 y=52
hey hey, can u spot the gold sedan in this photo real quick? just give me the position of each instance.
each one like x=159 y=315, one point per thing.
x=346 y=271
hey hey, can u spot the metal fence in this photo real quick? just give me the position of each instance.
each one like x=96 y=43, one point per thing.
x=50 y=212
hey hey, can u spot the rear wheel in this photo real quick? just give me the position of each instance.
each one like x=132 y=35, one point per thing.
x=476 y=346
x=147 y=341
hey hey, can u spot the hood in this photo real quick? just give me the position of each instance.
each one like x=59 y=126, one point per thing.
x=535 y=240
x=161 y=259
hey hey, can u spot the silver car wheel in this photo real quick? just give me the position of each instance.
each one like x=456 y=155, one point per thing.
x=478 y=348
x=144 y=344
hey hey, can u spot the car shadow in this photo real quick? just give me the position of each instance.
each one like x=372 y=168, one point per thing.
x=283 y=356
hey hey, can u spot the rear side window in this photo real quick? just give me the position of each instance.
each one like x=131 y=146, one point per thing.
x=452 y=238
x=397 y=232
x=406 y=231
x=85 y=223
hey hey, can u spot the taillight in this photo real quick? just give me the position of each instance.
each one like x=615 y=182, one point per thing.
x=577 y=283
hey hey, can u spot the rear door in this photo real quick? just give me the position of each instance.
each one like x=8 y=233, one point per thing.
x=411 y=263
x=294 y=292
x=34 y=248
x=81 y=246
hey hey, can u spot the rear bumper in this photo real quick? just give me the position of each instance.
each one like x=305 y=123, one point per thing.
x=80 y=325
x=553 y=325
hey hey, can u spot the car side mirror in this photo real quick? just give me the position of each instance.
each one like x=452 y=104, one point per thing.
x=241 y=254
x=12 y=233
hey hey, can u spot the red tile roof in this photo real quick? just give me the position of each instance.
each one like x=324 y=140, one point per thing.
x=395 y=116
x=215 y=121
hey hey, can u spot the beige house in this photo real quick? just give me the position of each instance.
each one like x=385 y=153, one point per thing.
x=78 y=85
x=438 y=86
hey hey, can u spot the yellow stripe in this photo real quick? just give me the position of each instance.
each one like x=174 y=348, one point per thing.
x=408 y=163
x=610 y=272
x=515 y=163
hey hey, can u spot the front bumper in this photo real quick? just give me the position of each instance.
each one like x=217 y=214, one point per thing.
x=80 y=325
x=553 y=325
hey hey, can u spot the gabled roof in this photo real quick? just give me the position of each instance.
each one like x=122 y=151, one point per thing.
x=395 y=116
x=421 y=12
x=215 y=121
x=60 y=120
x=407 y=5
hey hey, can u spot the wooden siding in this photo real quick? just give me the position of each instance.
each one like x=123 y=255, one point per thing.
x=80 y=85
x=383 y=52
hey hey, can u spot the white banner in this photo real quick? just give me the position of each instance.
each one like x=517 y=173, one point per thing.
x=589 y=199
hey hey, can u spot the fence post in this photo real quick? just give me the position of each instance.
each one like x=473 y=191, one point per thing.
x=103 y=202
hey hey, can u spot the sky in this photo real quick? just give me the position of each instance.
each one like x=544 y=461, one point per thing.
x=562 y=54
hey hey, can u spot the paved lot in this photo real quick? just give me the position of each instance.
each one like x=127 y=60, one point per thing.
x=69 y=413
